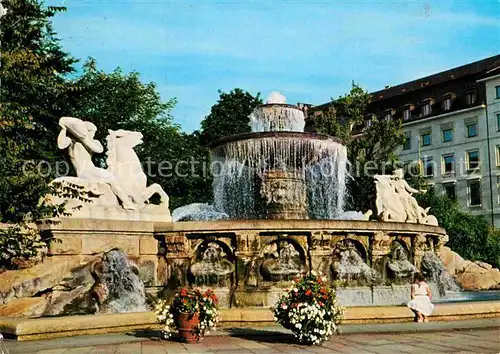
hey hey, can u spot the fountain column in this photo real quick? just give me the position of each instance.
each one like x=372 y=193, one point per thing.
x=284 y=195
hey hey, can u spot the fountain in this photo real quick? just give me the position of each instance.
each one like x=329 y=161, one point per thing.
x=277 y=171
x=278 y=212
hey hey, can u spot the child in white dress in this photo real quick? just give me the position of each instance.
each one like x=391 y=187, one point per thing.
x=421 y=296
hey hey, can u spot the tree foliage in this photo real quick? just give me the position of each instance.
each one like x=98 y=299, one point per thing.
x=229 y=116
x=121 y=101
x=471 y=236
x=370 y=149
x=33 y=95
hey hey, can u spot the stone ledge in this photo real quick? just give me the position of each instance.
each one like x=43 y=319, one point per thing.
x=41 y=328
x=295 y=225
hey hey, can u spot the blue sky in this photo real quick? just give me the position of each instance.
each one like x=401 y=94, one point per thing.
x=309 y=50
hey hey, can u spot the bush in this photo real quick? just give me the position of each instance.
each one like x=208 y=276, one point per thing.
x=471 y=236
x=309 y=309
x=20 y=247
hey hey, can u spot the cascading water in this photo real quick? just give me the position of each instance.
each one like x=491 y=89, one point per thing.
x=278 y=171
x=434 y=269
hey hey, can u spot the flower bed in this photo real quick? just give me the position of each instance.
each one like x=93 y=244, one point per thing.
x=309 y=309
x=195 y=304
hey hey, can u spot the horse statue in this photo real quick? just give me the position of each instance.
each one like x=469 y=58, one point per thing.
x=118 y=192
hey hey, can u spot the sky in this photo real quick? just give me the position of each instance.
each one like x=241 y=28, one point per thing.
x=310 y=51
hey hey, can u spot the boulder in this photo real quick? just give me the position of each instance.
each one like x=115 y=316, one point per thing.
x=451 y=260
x=30 y=307
x=43 y=277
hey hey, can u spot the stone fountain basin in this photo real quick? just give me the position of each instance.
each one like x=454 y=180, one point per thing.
x=44 y=328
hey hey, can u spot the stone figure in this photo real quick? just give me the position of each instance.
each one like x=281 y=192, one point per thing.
x=283 y=263
x=117 y=286
x=395 y=201
x=118 y=192
x=398 y=265
x=351 y=267
x=213 y=267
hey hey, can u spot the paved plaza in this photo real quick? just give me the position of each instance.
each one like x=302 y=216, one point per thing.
x=483 y=336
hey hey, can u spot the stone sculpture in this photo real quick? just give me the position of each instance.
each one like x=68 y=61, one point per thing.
x=351 y=267
x=118 y=192
x=395 y=201
x=213 y=268
x=118 y=288
x=283 y=262
x=399 y=267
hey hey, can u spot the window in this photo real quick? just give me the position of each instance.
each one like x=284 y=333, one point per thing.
x=470 y=98
x=449 y=164
x=449 y=190
x=407 y=143
x=475 y=193
x=498 y=156
x=426 y=139
x=498 y=121
x=426 y=108
x=497 y=89
x=471 y=130
x=447 y=104
x=447 y=135
x=428 y=166
x=473 y=159
x=406 y=113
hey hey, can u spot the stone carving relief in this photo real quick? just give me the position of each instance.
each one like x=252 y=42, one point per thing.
x=212 y=266
x=118 y=192
x=399 y=268
x=282 y=262
x=395 y=201
x=350 y=265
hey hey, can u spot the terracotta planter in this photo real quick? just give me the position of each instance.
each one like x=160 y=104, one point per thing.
x=185 y=324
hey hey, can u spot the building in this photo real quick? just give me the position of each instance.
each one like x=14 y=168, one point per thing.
x=452 y=124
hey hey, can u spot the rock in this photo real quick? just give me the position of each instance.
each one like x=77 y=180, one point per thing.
x=52 y=272
x=73 y=302
x=483 y=265
x=451 y=260
x=475 y=281
x=118 y=288
x=31 y=307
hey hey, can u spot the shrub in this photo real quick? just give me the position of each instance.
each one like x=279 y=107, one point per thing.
x=309 y=309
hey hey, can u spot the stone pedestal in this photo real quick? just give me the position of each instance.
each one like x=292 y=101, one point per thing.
x=284 y=195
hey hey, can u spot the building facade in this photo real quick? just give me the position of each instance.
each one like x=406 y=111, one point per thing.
x=452 y=125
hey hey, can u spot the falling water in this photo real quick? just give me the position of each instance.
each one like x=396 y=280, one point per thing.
x=277 y=117
x=434 y=269
x=240 y=164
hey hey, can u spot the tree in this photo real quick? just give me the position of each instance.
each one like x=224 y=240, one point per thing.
x=229 y=116
x=471 y=236
x=33 y=95
x=121 y=101
x=370 y=148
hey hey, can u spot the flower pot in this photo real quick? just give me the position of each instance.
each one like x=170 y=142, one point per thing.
x=186 y=324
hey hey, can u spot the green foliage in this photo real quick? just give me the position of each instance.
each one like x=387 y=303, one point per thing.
x=471 y=236
x=121 y=101
x=229 y=116
x=370 y=150
x=20 y=247
x=34 y=92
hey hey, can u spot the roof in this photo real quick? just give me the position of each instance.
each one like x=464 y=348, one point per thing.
x=482 y=68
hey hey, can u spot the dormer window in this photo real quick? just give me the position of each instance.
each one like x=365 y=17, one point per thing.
x=427 y=107
x=406 y=109
x=470 y=98
x=369 y=118
x=447 y=100
x=388 y=113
